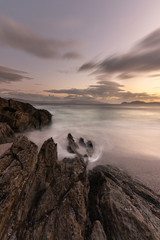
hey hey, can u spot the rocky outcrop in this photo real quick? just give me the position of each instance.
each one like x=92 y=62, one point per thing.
x=42 y=198
x=22 y=116
x=126 y=209
x=76 y=147
x=6 y=133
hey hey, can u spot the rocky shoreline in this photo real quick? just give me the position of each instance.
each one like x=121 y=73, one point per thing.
x=42 y=198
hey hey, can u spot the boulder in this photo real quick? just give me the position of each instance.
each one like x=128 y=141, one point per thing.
x=22 y=116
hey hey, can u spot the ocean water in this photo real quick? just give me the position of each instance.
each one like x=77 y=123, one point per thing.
x=125 y=136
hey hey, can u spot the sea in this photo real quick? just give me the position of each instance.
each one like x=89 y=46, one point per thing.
x=125 y=136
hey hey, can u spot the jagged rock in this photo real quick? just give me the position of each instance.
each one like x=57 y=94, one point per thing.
x=40 y=197
x=72 y=145
x=98 y=232
x=22 y=116
x=6 y=133
x=82 y=142
x=126 y=209
x=89 y=148
x=89 y=144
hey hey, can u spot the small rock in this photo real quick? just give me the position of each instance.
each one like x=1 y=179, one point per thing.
x=82 y=142
x=89 y=144
x=72 y=145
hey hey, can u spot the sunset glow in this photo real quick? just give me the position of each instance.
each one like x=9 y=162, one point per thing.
x=98 y=51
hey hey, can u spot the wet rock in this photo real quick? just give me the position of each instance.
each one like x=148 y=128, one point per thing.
x=72 y=145
x=6 y=133
x=22 y=116
x=82 y=142
x=89 y=148
x=89 y=144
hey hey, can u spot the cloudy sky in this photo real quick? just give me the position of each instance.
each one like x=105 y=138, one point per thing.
x=80 y=51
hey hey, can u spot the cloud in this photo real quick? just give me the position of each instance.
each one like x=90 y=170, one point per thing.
x=41 y=98
x=125 y=76
x=72 y=55
x=7 y=93
x=18 y=36
x=8 y=75
x=103 y=90
x=154 y=76
x=87 y=66
x=142 y=58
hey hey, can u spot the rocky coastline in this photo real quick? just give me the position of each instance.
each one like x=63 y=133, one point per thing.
x=42 y=198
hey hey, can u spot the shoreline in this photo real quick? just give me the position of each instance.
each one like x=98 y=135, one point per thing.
x=140 y=170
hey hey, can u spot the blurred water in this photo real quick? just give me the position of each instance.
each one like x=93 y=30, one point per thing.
x=127 y=136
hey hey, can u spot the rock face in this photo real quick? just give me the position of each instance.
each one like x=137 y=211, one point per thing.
x=125 y=208
x=42 y=198
x=6 y=133
x=22 y=116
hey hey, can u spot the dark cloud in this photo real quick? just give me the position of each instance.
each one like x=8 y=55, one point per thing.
x=125 y=76
x=150 y=42
x=17 y=36
x=87 y=66
x=8 y=75
x=142 y=58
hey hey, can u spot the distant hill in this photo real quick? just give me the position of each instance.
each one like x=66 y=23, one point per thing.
x=140 y=103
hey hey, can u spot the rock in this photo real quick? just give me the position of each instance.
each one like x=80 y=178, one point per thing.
x=72 y=145
x=98 y=232
x=82 y=142
x=6 y=133
x=22 y=116
x=89 y=144
x=125 y=208
x=43 y=198
x=40 y=197
x=89 y=148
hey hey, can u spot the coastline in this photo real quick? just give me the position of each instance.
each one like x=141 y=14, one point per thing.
x=43 y=197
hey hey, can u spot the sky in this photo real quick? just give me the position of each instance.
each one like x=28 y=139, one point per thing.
x=70 y=51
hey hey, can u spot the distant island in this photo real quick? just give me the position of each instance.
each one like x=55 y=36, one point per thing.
x=140 y=103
